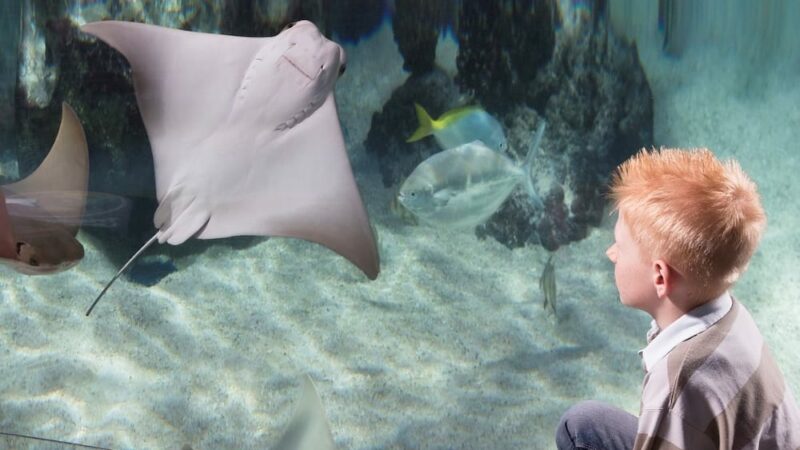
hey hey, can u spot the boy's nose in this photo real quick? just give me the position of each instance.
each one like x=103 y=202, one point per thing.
x=612 y=253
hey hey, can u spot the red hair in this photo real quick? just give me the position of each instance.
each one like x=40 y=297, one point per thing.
x=701 y=215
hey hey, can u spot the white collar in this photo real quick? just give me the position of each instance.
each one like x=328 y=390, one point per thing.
x=661 y=342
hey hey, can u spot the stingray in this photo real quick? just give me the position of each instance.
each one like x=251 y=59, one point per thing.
x=245 y=137
x=41 y=214
x=309 y=428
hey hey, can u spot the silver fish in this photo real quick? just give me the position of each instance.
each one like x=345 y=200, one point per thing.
x=463 y=186
x=547 y=283
x=402 y=212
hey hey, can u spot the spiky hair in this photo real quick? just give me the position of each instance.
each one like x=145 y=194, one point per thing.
x=701 y=215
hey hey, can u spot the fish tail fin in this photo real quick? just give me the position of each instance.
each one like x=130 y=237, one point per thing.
x=529 y=186
x=426 y=124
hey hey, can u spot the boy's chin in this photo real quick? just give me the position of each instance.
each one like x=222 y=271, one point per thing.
x=633 y=303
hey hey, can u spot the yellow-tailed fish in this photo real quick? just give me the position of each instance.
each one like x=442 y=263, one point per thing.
x=460 y=126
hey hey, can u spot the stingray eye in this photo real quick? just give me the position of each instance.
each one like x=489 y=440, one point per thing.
x=342 y=68
x=288 y=25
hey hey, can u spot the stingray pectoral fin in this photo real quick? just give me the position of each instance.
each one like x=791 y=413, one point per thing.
x=310 y=194
x=334 y=214
x=185 y=82
x=64 y=169
x=308 y=428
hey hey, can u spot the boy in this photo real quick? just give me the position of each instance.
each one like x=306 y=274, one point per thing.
x=687 y=226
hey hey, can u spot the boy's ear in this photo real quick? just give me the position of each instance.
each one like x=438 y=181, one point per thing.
x=664 y=278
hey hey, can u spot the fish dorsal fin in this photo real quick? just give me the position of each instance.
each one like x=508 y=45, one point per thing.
x=454 y=115
x=528 y=166
x=121 y=271
x=537 y=141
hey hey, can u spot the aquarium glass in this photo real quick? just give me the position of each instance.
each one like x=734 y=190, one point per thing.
x=495 y=307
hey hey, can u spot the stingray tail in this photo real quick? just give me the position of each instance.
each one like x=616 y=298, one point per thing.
x=121 y=271
x=15 y=437
x=426 y=124
x=529 y=187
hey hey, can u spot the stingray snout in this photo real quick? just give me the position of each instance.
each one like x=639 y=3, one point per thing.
x=311 y=53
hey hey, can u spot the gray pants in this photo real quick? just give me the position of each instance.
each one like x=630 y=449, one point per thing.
x=593 y=425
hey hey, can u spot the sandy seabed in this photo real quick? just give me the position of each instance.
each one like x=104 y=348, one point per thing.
x=449 y=348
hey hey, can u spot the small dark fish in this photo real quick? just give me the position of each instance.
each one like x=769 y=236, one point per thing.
x=547 y=283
